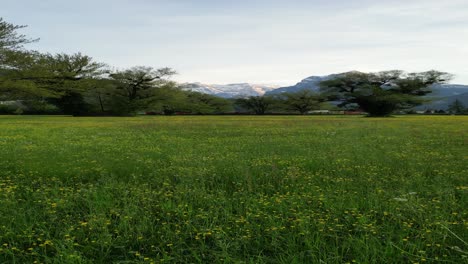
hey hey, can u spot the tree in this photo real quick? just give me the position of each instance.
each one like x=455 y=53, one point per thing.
x=10 y=39
x=136 y=87
x=99 y=96
x=200 y=103
x=172 y=99
x=61 y=79
x=12 y=55
x=302 y=101
x=456 y=107
x=11 y=43
x=30 y=75
x=381 y=93
x=70 y=76
x=168 y=99
x=258 y=104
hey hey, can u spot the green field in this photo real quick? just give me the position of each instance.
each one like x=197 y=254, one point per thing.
x=248 y=189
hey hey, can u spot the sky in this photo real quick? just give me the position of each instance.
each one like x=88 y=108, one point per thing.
x=257 y=41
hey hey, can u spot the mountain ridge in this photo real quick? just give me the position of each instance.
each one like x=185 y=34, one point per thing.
x=441 y=97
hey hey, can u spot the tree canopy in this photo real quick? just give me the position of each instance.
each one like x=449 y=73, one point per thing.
x=302 y=101
x=257 y=104
x=10 y=38
x=457 y=107
x=77 y=84
x=382 y=93
x=136 y=86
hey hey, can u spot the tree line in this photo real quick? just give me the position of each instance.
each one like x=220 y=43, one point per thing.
x=75 y=84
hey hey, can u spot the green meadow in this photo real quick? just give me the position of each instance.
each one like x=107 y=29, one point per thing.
x=234 y=189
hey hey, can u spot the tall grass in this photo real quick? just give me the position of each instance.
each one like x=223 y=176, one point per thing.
x=279 y=189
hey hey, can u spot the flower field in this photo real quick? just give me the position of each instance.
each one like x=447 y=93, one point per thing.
x=234 y=189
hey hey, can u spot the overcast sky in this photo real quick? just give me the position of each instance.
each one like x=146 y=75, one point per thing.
x=257 y=41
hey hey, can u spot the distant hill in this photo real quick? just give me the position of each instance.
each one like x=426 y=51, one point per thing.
x=310 y=83
x=445 y=90
x=444 y=95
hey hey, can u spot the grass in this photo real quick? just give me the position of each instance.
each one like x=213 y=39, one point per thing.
x=301 y=189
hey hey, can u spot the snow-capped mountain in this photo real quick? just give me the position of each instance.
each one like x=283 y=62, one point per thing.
x=229 y=90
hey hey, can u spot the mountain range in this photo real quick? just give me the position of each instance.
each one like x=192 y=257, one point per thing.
x=444 y=95
x=229 y=90
x=441 y=97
